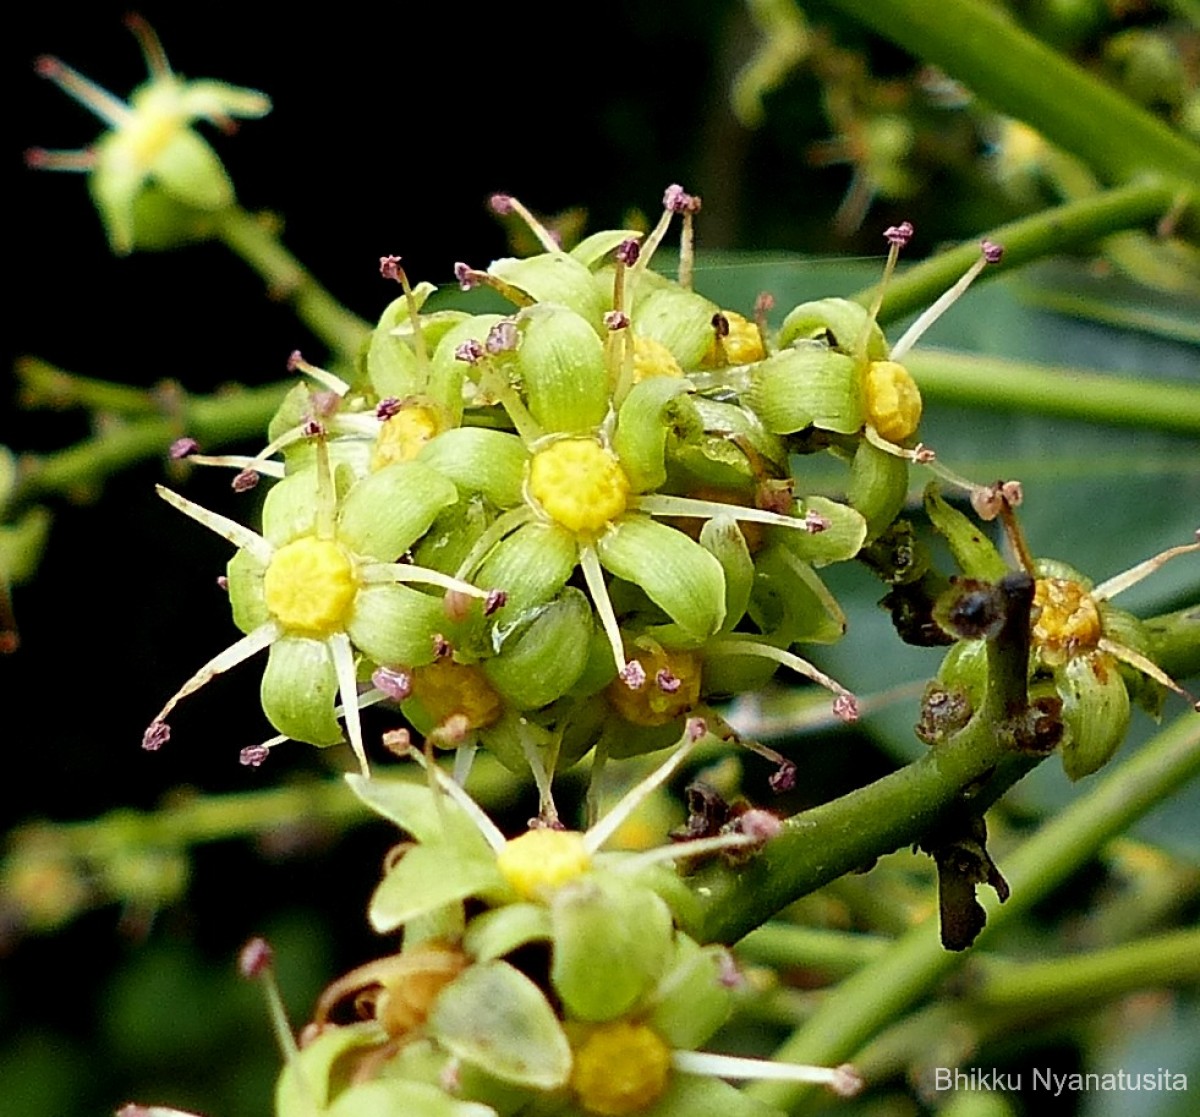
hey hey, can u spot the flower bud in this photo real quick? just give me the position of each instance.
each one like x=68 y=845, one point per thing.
x=1095 y=712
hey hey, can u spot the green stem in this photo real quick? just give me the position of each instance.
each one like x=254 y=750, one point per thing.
x=1001 y=63
x=44 y=385
x=877 y=994
x=255 y=240
x=213 y=420
x=834 y=953
x=995 y=382
x=1175 y=641
x=1052 y=230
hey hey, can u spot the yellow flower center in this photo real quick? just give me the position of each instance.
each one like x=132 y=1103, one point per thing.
x=660 y=700
x=620 y=1068
x=155 y=124
x=893 y=400
x=741 y=346
x=447 y=689
x=651 y=358
x=579 y=484
x=1068 y=620
x=540 y=861
x=402 y=435
x=309 y=586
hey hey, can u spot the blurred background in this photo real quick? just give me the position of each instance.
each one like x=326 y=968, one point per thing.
x=391 y=126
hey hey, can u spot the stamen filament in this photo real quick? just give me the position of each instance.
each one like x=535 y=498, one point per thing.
x=249 y=645
x=241 y=461
x=1119 y=583
x=343 y=666
x=108 y=108
x=593 y=576
x=41 y=159
x=544 y=237
x=733 y=646
x=939 y=307
x=661 y=504
x=843 y=1080
x=237 y=534
x=697 y=847
x=322 y=376
x=495 y=382
x=385 y=573
x=606 y=827
x=487 y=828
x=504 y=524
x=365 y=700
x=1145 y=666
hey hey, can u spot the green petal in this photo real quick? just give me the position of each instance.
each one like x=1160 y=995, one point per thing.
x=688 y=1095
x=388 y=511
x=531 y=565
x=496 y=1018
x=677 y=318
x=427 y=878
x=299 y=690
x=808 y=387
x=878 y=486
x=307 y=1079
x=837 y=323
x=1095 y=712
x=542 y=662
x=714 y=444
x=973 y=551
x=791 y=603
x=561 y=360
x=675 y=572
x=479 y=460
x=245 y=579
x=430 y=817
x=555 y=278
x=841 y=540
x=492 y=934
x=612 y=940
x=396 y=624
x=391 y=362
x=386 y=1097
x=643 y=424
x=189 y=170
x=290 y=509
x=724 y=540
x=693 y=1000
x=591 y=250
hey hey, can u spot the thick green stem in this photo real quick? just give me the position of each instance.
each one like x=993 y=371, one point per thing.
x=835 y=953
x=255 y=240
x=993 y=382
x=44 y=385
x=985 y=48
x=1175 y=641
x=1052 y=230
x=212 y=420
x=881 y=991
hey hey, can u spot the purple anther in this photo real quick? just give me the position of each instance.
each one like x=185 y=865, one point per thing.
x=182 y=447
x=728 y=973
x=222 y=583
x=312 y=427
x=324 y=403
x=470 y=351
x=502 y=337
x=496 y=599
x=666 y=681
x=255 y=958
x=783 y=778
x=720 y=324
x=760 y=825
x=157 y=734
x=388 y=407
x=389 y=267
x=845 y=707
x=628 y=251
x=695 y=728
x=295 y=360
x=899 y=235
x=398 y=742
x=992 y=252
x=253 y=756
x=923 y=454
x=466 y=276
x=633 y=675
x=397 y=685
x=764 y=303
x=501 y=204
x=616 y=320
x=442 y=648
x=815 y=523
x=1013 y=494
x=244 y=481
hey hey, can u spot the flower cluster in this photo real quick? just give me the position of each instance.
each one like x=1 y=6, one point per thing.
x=605 y=470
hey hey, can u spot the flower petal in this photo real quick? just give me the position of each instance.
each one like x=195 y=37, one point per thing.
x=479 y=460
x=389 y=510
x=675 y=572
x=562 y=364
x=299 y=690
x=395 y=624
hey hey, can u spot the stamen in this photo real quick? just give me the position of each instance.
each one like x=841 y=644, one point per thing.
x=845 y=706
x=593 y=576
x=464 y=761
x=843 y=1081
x=152 y=50
x=237 y=534
x=678 y=851
x=108 y=108
x=343 y=666
x=254 y=756
x=42 y=159
x=396 y=685
x=385 y=573
x=486 y=827
x=989 y=254
x=763 y=305
x=243 y=649
x=897 y=237
x=242 y=462
x=1146 y=666
x=504 y=524
x=469 y=277
x=389 y=268
x=1121 y=582
x=598 y=834
x=662 y=504
x=297 y=363
x=502 y=204
x=687 y=242
x=182 y=448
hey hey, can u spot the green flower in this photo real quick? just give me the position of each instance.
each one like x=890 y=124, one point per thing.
x=150 y=142
x=323 y=581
